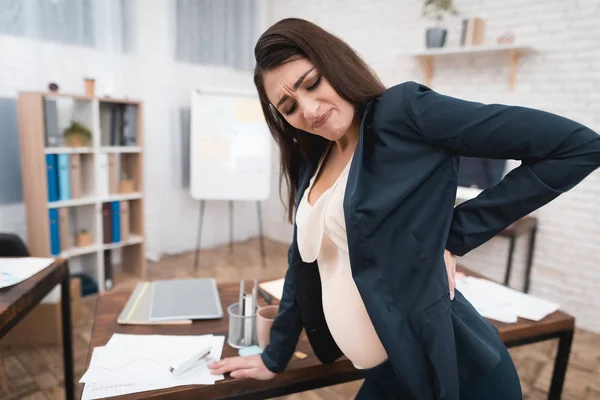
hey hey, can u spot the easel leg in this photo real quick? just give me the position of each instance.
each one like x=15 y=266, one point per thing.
x=261 y=235
x=199 y=237
x=230 y=226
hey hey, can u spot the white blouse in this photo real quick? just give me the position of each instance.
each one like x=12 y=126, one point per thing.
x=322 y=237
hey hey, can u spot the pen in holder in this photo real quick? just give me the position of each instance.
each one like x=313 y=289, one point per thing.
x=242 y=319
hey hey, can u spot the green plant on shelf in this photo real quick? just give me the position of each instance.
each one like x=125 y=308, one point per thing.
x=77 y=135
x=436 y=9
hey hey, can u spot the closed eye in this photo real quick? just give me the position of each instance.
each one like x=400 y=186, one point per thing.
x=291 y=109
x=314 y=85
x=309 y=88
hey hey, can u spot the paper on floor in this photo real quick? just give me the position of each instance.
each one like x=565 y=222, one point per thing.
x=134 y=363
x=501 y=303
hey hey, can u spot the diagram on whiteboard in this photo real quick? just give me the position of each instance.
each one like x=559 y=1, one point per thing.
x=230 y=147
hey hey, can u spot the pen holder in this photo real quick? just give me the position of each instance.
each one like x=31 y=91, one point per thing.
x=242 y=328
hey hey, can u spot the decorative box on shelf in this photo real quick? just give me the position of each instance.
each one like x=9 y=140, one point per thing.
x=126 y=186
x=83 y=238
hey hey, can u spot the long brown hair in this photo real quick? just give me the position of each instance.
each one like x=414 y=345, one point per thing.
x=348 y=74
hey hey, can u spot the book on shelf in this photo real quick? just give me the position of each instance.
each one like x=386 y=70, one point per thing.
x=103 y=184
x=118 y=124
x=124 y=207
x=63 y=176
x=115 y=221
x=106 y=223
x=63 y=228
x=53 y=136
x=52 y=177
x=54 y=232
x=75 y=175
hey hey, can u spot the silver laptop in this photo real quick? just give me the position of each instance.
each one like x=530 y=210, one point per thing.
x=179 y=299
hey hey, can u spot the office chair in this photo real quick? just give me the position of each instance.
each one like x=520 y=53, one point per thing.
x=11 y=245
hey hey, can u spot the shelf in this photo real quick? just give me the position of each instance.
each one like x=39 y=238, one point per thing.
x=120 y=149
x=121 y=197
x=513 y=51
x=110 y=100
x=133 y=239
x=68 y=150
x=92 y=200
x=72 y=203
x=79 y=251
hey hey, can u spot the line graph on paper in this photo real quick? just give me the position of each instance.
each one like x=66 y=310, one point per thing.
x=128 y=363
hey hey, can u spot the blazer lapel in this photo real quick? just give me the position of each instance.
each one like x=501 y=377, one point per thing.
x=355 y=249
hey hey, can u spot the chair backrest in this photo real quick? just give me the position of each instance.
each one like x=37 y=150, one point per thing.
x=11 y=245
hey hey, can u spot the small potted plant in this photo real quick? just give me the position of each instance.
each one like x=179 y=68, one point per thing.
x=83 y=238
x=436 y=10
x=126 y=184
x=77 y=135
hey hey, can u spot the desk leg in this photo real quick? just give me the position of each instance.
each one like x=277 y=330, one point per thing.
x=511 y=250
x=530 y=258
x=65 y=292
x=560 y=365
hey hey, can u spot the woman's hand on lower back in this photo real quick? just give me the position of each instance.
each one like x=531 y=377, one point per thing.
x=242 y=367
x=450 y=260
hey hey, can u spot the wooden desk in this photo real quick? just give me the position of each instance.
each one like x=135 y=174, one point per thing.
x=18 y=300
x=301 y=374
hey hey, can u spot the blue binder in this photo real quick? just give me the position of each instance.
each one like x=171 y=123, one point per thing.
x=54 y=232
x=52 y=176
x=64 y=176
x=116 y=221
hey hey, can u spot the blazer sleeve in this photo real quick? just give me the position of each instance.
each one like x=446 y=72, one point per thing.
x=556 y=153
x=286 y=327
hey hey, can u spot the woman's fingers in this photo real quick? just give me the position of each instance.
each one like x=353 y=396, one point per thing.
x=246 y=373
x=231 y=364
x=242 y=367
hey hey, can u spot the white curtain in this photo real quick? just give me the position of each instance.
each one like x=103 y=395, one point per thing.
x=217 y=32
x=102 y=24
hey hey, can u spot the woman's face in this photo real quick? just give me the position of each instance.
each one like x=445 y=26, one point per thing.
x=307 y=101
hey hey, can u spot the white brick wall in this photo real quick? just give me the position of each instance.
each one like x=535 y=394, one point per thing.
x=563 y=77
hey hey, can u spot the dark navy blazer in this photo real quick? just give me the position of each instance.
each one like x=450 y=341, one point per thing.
x=400 y=217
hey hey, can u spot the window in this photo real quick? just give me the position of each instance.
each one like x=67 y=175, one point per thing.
x=217 y=32
x=104 y=24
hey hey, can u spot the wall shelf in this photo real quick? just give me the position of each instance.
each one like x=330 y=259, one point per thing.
x=514 y=53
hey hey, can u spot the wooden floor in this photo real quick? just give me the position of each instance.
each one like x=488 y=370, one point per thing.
x=36 y=372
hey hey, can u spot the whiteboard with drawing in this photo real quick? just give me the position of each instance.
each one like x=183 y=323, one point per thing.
x=230 y=147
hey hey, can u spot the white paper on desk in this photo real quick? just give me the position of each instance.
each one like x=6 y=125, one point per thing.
x=166 y=347
x=501 y=303
x=146 y=359
x=95 y=390
x=16 y=270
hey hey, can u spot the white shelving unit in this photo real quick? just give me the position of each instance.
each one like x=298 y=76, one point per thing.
x=98 y=182
x=514 y=53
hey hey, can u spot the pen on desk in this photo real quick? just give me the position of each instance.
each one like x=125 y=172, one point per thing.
x=254 y=296
x=185 y=365
x=241 y=303
x=265 y=295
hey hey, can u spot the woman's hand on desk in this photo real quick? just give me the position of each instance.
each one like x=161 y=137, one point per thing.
x=242 y=367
